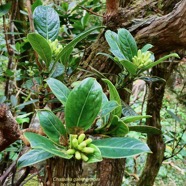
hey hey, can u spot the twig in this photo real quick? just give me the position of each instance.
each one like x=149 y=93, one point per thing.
x=32 y=30
x=133 y=175
x=7 y=172
x=88 y=10
x=174 y=166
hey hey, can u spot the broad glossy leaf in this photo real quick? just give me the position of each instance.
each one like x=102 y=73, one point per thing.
x=32 y=157
x=51 y=125
x=46 y=22
x=4 y=9
x=145 y=129
x=96 y=156
x=108 y=107
x=117 y=128
x=127 y=110
x=112 y=40
x=129 y=66
x=120 y=147
x=127 y=44
x=83 y=105
x=41 y=142
x=103 y=118
x=59 y=90
x=41 y=46
x=58 y=70
x=114 y=96
x=129 y=119
x=150 y=65
x=152 y=79
x=73 y=43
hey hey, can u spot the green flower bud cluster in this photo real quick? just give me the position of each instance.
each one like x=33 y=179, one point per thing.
x=79 y=147
x=55 y=47
x=142 y=59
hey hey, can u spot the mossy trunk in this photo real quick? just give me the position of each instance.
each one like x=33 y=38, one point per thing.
x=63 y=172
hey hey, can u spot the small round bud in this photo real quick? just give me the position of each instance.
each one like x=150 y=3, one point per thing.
x=88 y=141
x=84 y=157
x=81 y=138
x=75 y=143
x=71 y=151
x=77 y=155
x=88 y=150
x=82 y=145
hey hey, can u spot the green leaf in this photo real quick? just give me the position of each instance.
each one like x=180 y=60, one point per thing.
x=129 y=119
x=120 y=147
x=41 y=142
x=146 y=48
x=117 y=128
x=127 y=110
x=104 y=118
x=41 y=46
x=96 y=156
x=59 y=70
x=150 y=65
x=21 y=106
x=65 y=58
x=174 y=115
x=129 y=66
x=112 y=40
x=73 y=43
x=2 y=99
x=32 y=157
x=127 y=44
x=4 y=9
x=51 y=125
x=114 y=96
x=83 y=105
x=145 y=129
x=108 y=107
x=46 y=22
x=85 y=19
x=59 y=90
x=23 y=118
x=152 y=79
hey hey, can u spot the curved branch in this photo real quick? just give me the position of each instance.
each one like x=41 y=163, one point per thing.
x=9 y=131
x=166 y=33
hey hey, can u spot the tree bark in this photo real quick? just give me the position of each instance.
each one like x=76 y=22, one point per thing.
x=166 y=33
x=63 y=172
x=110 y=172
x=9 y=131
x=155 y=142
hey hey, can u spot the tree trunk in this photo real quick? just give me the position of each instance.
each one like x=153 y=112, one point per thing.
x=110 y=172
x=63 y=172
x=155 y=142
x=9 y=131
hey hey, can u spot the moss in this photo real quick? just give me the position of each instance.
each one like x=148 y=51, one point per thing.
x=32 y=182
